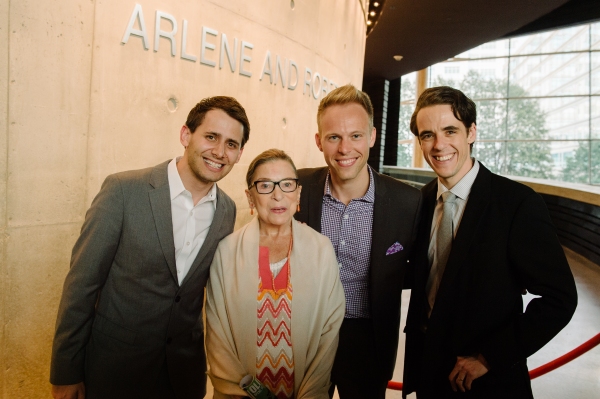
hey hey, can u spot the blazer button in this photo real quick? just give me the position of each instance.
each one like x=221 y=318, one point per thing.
x=177 y=298
x=169 y=340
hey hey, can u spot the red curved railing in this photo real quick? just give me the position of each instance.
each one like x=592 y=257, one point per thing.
x=546 y=368
x=566 y=358
x=395 y=385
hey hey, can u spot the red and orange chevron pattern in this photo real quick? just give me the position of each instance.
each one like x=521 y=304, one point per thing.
x=274 y=357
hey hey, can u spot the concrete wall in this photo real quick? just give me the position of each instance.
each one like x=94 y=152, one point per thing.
x=77 y=104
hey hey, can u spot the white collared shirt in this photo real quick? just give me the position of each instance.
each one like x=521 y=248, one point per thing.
x=190 y=223
x=462 y=190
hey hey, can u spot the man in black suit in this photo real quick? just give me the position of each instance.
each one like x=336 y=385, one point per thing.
x=371 y=220
x=483 y=240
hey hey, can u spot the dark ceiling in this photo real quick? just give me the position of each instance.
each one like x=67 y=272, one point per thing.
x=425 y=32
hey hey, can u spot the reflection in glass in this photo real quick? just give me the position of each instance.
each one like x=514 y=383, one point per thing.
x=549 y=75
x=569 y=39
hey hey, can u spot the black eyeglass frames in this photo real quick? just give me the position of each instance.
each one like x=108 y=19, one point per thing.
x=267 y=187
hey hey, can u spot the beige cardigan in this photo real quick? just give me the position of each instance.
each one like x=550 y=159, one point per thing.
x=318 y=307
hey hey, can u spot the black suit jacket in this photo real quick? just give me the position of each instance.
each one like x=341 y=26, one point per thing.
x=395 y=219
x=123 y=313
x=505 y=243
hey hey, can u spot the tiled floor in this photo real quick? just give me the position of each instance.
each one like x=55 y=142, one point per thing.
x=579 y=379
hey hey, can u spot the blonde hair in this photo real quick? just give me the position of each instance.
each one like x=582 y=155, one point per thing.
x=345 y=95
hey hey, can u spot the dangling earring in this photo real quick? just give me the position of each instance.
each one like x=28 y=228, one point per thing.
x=251 y=210
x=298 y=207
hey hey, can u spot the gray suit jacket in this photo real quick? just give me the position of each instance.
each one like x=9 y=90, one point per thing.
x=123 y=314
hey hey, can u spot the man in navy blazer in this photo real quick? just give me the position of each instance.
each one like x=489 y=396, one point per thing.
x=371 y=220
x=129 y=323
x=467 y=335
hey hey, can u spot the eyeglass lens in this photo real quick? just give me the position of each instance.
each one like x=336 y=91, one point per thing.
x=266 y=187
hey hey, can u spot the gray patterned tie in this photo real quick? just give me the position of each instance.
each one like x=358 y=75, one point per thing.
x=444 y=236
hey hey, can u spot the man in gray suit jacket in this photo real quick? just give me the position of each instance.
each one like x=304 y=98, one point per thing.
x=130 y=319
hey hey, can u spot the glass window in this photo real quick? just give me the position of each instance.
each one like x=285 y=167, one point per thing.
x=491 y=154
x=576 y=165
x=595 y=89
x=562 y=40
x=491 y=120
x=526 y=120
x=529 y=159
x=498 y=48
x=595 y=166
x=480 y=79
x=538 y=103
x=549 y=75
x=405 y=154
x=595 y=34
x=595 y=118
x=408 y=88
x=548 y=118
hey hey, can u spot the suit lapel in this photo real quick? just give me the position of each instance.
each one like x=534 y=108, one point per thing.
x=477 y=203
x=160 y=201
x=429 y=203
x=420 y=259
x=210 y=242
x=381 y=222
x=429 y=193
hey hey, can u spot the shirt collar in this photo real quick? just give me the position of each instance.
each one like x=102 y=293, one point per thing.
x=462 y=189
x=369 y=195
x=176 y=186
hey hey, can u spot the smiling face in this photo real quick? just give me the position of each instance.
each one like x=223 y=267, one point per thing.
x=345 y=139
x=213 y=149
x=445 y=142
x=276 y=208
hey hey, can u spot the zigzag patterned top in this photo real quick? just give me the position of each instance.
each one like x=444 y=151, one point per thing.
x=274 y=357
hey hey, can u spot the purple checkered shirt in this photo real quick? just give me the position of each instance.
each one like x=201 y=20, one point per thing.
x=349 y=229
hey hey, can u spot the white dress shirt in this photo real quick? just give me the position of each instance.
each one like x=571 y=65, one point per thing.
x=462 y=190
x=190 y=223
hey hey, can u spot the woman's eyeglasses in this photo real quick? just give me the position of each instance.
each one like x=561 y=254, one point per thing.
x=267 y=187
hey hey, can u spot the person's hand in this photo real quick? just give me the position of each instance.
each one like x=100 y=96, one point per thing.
x=466 y=370
x=76 y=391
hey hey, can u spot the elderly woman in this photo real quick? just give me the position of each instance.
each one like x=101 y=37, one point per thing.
x=274 y=301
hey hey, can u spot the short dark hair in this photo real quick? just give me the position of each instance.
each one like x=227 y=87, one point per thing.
x=267 y=156
x=463 y=107
x=227 y=104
